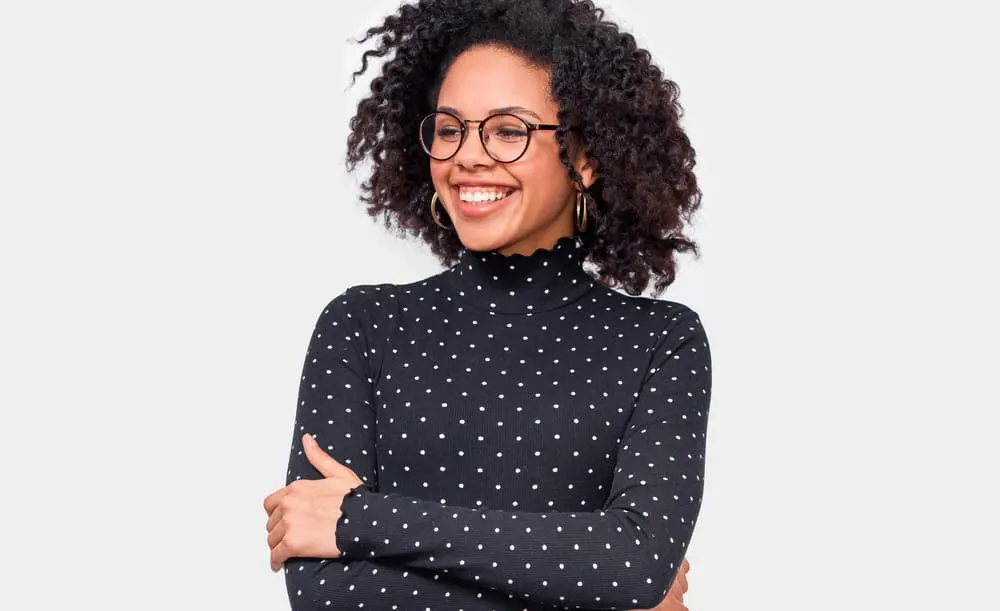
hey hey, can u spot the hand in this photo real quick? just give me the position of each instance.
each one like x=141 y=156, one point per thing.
x=302 y=516
x=675 y=597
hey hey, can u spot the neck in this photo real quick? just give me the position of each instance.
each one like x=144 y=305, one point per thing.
x=526 y=248
x=546 y=239
x=523 y=282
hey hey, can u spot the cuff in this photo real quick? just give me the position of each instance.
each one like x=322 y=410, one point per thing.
x=349 y=542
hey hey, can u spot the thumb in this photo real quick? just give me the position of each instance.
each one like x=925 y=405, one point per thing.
x=323 y=462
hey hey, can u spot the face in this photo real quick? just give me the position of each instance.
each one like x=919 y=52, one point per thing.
x=509 y=207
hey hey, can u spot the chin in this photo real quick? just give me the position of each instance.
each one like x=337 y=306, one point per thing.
x=481 y=239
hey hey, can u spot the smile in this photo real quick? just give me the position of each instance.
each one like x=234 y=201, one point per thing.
x=476 y=195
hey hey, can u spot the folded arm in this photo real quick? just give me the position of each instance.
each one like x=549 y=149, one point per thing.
x=623 y=556
x=335 y=407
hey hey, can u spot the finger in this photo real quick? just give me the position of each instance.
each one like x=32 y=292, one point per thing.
x=675 y=592
x=675 y=595
x=279 y=555
x=685 y=565
x=323 y=462
x=273 y=499
x=272 y=520
x=682 y=583
x=276 y=534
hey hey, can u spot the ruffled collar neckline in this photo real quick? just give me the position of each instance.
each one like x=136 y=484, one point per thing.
x=547 y=279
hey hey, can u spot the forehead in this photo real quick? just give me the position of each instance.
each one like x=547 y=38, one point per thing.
x=484 y=78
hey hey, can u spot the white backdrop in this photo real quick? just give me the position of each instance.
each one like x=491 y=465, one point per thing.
x=175 y=214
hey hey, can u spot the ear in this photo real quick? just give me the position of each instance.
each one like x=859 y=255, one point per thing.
x=584 y=167
x=587 y=173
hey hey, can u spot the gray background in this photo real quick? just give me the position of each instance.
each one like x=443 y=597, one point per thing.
x=175 y=214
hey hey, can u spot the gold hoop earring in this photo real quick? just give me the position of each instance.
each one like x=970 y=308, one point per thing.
x=434 y=215
x=581 y=211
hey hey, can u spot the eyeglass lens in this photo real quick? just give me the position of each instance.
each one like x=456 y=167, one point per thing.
x=505 y=136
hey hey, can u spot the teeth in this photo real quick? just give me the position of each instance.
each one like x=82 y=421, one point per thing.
x=478 y=196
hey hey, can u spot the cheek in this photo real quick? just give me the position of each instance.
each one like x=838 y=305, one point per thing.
x=439 y=175
x=544 y=180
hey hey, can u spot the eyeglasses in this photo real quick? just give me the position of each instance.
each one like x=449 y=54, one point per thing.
x=504 y=136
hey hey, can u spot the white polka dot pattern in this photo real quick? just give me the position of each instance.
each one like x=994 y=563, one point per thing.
x=527 y=437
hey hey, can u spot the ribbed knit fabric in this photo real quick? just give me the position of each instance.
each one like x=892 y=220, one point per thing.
x=528 y=439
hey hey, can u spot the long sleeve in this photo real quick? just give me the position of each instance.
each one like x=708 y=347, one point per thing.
x=334 y=400
x=335 y=406
x=624 y=556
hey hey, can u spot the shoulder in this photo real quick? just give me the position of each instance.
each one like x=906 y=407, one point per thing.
x=675 y=338
x=648 y=312
x=378 y=301
x=360 y=300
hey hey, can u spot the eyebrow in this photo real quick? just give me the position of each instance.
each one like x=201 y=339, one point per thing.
x=498 y=111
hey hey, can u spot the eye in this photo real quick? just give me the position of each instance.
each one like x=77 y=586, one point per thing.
x=511 y=133
x=448 y=133
x=506 y=128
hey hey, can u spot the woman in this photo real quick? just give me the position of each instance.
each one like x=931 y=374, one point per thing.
x=510 y=433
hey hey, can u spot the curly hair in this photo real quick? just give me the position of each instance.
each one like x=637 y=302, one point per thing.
x=610 y=95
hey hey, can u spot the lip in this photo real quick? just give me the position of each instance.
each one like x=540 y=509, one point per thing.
x=478 y=211
x=469 y=182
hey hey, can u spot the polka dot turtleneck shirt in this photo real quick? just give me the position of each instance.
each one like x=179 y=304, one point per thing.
x=528 y=439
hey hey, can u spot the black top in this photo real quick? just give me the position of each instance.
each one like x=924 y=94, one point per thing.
x=528 y=438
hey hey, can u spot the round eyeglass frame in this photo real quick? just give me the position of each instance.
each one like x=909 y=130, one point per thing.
x=464 y=123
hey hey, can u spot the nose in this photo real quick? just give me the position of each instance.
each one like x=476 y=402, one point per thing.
x=472 y=153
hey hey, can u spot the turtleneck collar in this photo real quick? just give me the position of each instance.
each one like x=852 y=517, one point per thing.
x=523 y=284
